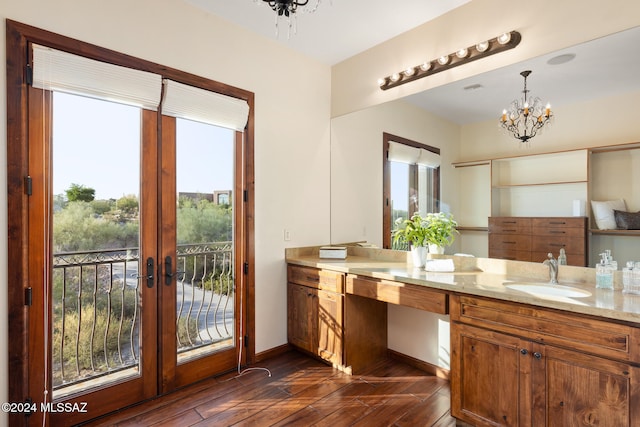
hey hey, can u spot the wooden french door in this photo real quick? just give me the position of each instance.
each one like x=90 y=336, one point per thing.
x=90 y=298
x=118 y=297
x=178 y=291
x=199 y=324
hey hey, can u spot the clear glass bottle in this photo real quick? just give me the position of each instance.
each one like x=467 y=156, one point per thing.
x=562 y=258
x=631 y=278
x=604 y=273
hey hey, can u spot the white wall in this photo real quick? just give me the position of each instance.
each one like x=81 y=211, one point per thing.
x=291 y=123
x=356 y=203
x=605 y=121
x=356 y=164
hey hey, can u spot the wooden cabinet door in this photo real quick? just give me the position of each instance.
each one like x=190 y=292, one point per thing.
x=486 y=376
x=301 y=326
x=583 y=390
x=329 y=330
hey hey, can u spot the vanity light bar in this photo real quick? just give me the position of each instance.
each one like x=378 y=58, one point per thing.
x=498 y=44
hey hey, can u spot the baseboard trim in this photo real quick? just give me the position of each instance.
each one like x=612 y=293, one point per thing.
x=420 y=364
x=273 y=352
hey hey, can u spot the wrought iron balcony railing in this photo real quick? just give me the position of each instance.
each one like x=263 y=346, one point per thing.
x=96 y=310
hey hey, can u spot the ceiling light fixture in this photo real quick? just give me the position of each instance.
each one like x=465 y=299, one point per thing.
x=526 y=117
x=498 y=44
x=287 y=9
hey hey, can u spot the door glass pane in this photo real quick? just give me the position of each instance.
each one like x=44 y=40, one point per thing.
x=412 y=190
x=205 y=247
x=399 y=196
x=96 y=223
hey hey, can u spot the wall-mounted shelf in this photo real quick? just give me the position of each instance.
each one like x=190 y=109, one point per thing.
x=615 y=232
x=614 y=174
x=472 y=228
x=546 y=184
x=540 y=184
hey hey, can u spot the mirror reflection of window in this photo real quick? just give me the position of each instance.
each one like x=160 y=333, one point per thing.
x=411 y=182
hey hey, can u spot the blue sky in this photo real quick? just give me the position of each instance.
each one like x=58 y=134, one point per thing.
x=97 y=144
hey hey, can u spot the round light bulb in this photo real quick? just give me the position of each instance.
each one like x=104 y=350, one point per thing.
x=395 y=77
x=482 y=46
x=504 y=38
x=382 y=81
x=462 y=53
x=409 y=71
x=443 y=60
x=426 y=66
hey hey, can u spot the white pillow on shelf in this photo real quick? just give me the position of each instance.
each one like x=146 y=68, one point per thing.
x=603 y=213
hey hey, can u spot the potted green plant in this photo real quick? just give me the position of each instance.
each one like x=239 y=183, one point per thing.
x=440 y=231
x=412 y=232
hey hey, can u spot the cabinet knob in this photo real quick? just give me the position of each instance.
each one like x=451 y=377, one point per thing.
x=537 y=355
x=524 y=351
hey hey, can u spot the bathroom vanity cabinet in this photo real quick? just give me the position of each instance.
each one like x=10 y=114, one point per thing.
x=347 y=331
x=517 y=358
x=315 y=318
x=518 y=365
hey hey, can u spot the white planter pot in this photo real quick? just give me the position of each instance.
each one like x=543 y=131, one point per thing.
x=419 y=255
x=435 y=249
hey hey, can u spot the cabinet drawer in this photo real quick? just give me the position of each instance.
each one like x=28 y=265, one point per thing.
x=406 y=294
x=574 y=245
x=510 y=254
x=315 y=278
x=560 y=232
x=559 y=222
x=510 y=241
x=572 y=331
x=510 y=225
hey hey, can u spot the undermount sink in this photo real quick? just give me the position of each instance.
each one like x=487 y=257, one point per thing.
x=546 y=289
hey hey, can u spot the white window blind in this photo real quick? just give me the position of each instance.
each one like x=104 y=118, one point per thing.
x=66 y=72
x=428 y=158
x=204 y=106
x=412 y=155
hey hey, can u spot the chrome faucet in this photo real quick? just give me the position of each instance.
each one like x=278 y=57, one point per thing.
x=552 y=263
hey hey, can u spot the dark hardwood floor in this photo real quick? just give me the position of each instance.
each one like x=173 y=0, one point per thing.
x=301 y=392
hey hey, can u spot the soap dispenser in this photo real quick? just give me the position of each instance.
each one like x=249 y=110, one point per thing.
x=604 y=273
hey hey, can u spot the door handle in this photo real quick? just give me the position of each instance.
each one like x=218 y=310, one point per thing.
x=149 y=276
x=169 y=274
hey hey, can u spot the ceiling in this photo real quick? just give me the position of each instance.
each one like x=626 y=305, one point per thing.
x=339 y=29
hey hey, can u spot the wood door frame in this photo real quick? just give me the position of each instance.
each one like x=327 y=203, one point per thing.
x=386 y=182
x=18 y=37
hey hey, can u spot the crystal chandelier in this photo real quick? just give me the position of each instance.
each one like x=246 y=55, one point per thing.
x=287 y=9
x=526 y=117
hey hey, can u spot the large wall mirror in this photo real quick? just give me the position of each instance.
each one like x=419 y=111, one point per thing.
x=593 y=88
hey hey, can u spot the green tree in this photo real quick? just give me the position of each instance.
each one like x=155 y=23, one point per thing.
x=80 y=193
x=128 y=204
x=78 y=228
x=101 y=207
x=202 y=221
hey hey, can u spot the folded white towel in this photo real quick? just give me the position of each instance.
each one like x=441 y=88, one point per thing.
x=439 y=265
